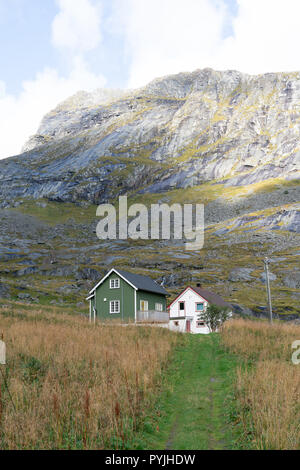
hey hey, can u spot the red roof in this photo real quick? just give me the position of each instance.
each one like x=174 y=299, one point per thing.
x=207 y=295
x=211 y=297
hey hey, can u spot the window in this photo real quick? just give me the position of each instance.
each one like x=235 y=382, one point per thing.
x=144 y=305
x=200 y=307
x=114 y=306
x=181 y=306
x=114 y=283
x=159 y=307
x=200 y=324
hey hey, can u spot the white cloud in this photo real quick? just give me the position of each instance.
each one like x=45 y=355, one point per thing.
x=266 y=35
x=160 y=37
x=2 y=89
x=21 y=115
x=77 y=25
x=170 y=36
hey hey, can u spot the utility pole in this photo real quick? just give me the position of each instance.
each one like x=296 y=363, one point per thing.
x=266 y=262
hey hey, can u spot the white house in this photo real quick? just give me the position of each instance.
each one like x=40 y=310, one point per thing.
x=185 y=311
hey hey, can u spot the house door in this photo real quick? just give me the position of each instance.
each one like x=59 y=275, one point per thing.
x=188 y=326
x=144 y=305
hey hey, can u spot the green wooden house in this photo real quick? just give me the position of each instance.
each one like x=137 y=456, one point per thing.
x=128 y=297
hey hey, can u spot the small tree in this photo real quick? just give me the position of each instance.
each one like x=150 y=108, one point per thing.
x=215 y=316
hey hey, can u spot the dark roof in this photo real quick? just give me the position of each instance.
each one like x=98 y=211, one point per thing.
x=143 y=282
x=211 y=297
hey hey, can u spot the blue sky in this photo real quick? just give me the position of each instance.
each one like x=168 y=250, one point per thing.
x=26 y=48
x=25 y=29
x=49 y=49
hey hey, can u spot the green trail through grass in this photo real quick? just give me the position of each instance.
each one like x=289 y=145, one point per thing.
x=193 y=412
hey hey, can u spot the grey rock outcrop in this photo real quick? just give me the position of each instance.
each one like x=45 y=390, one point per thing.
x=177 y=132
x=4 y=291
x=272 y=277
x=240 y=274
x=292 y=279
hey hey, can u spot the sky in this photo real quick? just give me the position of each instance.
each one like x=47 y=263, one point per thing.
x=50 y=49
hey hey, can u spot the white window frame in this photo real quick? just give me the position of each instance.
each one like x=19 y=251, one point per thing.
x=200 y=303
x=159 y=307
x=146 y=305
x=114 y=306
x=114 y=283
x=179 y=310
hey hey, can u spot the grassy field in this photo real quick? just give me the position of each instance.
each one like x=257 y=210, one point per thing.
x=76 y=386
x=236 y=390
x=268 y=383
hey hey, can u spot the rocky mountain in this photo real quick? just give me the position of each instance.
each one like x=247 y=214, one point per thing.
x=178 y=132
x=225 y=139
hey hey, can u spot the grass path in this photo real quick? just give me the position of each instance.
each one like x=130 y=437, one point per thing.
x=193 y=412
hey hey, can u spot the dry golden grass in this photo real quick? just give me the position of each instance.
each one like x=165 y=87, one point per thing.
x=268 y=390
x=75 y=385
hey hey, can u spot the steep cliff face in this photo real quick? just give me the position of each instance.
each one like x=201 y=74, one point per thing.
x=178 y=132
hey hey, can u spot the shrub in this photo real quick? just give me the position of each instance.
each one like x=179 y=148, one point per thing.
x=215 y=316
